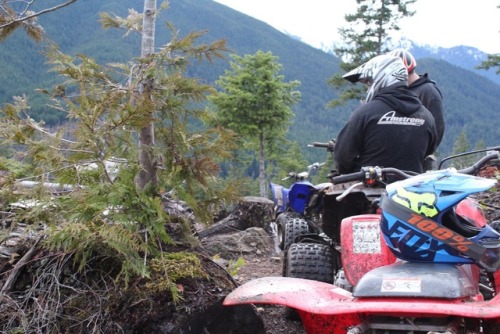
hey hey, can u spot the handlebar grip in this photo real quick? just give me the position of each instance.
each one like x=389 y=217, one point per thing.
x=357 y=176
x=318 y=144
x=477 y=166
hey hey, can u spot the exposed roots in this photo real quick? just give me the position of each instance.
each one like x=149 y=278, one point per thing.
x=49 y=297
x=44 y=292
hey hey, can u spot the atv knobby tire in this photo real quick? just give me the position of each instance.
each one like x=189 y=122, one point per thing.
x=310 y=261
x=293 y=228
x=281 y=226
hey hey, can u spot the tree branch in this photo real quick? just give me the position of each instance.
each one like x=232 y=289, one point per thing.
x=19 y=265
x=44 y=11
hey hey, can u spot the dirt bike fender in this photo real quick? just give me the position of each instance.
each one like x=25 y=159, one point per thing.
x=322 y=305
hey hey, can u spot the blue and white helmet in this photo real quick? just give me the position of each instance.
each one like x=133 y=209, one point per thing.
x=379 y=72
x=419 y=221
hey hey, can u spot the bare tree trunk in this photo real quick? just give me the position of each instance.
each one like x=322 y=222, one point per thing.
x=148 y=172
x=262 y=167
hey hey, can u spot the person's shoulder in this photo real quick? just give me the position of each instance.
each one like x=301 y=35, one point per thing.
x=430 y=87
x=426 y=79
x=424 y=85
x=364 y=111
x=425 y=113
x=369 y=106
x=422 y=79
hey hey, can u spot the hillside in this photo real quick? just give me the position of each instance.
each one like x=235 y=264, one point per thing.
x=470 y=100
x=462 y=56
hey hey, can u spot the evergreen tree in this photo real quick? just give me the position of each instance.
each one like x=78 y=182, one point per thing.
x=462 y=145
x=102 y=212
x=256 y=103
x=147 y=174
x=366 y=36
x=491 y=62
x=285 y=158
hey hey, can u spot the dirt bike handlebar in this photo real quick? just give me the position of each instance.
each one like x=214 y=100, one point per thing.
x=296 y=176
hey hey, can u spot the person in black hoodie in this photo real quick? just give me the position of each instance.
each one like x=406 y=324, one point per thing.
x=426 y=90
x=391 y=128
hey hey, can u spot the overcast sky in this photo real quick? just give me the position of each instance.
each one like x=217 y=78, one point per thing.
x=444 y=23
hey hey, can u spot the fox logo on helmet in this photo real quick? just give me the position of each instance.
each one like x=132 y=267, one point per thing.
x=422 y=203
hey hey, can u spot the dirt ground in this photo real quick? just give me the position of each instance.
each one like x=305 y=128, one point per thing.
x=274 y=317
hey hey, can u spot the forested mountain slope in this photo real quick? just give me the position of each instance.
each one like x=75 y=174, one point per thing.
x=466 y=57
x=471 y=101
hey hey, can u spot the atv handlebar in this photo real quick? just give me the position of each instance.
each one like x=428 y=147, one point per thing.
x=329 y=146
x=315 y=166
x=488 y=150
x=474 y=169
x=357 y=176
x=372 y=174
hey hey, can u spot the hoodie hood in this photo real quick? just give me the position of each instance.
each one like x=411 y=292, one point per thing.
x=399 y=98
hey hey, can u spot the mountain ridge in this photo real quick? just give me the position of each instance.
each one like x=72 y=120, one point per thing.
x=466 y=57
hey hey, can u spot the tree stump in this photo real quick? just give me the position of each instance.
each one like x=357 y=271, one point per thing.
x=249 y=212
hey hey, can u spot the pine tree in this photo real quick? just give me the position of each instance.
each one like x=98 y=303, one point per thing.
x=462 y=145
x=366 y=36
x=102 y=211
x=256 y=103
x=492 y=61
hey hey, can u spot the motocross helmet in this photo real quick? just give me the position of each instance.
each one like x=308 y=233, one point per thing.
x=420 y=223
x=408 y=59
x=379 y=72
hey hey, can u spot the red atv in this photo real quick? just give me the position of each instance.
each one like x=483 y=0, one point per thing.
x=414 y=268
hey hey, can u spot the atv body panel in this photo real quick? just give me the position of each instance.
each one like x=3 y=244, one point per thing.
x=363 y=246
x=325 y=308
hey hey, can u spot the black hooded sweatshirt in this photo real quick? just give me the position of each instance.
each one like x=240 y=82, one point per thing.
x=431 y=97
x=394 y=129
